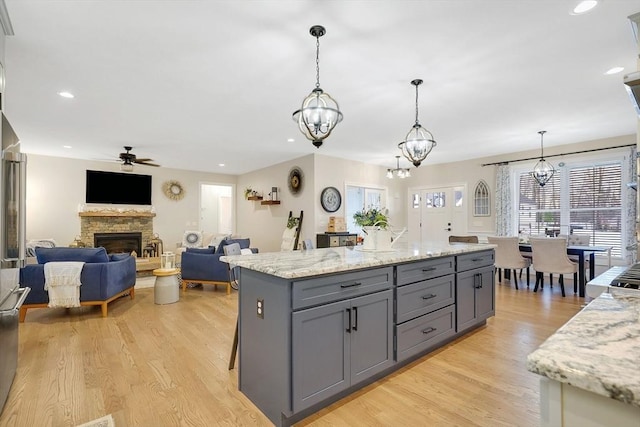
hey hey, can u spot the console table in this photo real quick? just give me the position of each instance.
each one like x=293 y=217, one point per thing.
x=314 y=326
x=331 y=240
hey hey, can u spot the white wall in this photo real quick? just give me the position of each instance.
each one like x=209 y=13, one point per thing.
x=56 y=186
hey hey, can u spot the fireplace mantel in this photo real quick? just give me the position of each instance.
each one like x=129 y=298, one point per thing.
x=117 y=214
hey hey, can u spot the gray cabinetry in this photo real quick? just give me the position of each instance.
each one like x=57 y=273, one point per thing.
x=425 y=311
x=342 y=343
x=475 y=288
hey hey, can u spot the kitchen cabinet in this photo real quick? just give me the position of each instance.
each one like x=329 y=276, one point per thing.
x=475 y=290
x=340 y=344
x=317 y=325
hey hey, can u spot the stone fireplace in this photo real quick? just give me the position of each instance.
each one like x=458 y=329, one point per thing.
x=116 y=222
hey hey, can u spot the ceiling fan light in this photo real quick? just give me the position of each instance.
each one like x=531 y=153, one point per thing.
x=126 y=167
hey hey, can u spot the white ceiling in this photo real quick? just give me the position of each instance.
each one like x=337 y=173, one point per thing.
x=195 y=83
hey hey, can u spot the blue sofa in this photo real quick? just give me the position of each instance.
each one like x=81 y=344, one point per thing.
x=104 y=277
x=203 y=265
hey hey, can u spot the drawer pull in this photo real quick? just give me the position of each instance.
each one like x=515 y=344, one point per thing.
x=429 y=330
x=476 y=259
x=351 y=285
x=426 y=270
x=429 y=296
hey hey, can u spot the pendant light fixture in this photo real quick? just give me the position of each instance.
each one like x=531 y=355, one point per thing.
x=319 y=113
x=543 y=171
x=419 y=142
x=400 y=172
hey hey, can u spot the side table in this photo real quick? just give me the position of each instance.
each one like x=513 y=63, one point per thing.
x=167 y=286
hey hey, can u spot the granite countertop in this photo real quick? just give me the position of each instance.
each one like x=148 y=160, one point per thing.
x=306 y=263
x=598 y=350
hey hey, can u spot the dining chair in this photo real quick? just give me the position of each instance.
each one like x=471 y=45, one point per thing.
x=463 y=239
x=232 y=249
x=579 y=240
x=508 y=257
x=550 y=256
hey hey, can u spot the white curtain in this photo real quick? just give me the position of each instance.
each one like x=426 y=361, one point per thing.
x=504 y=201
x=630 y=205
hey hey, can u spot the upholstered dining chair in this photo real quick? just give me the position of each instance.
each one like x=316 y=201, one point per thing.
x=463 y=239
x=579 y=240
x=550 y=256
x=508 y=257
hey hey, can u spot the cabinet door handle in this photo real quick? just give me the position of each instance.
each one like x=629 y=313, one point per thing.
x=351 y=285
x=349 y=320
x=426 y=270
x=476 y=259
x=429 y=296
x=355 y=318
x=429 y=330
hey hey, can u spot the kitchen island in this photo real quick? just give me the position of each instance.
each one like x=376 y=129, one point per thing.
x=316 y=325
x=591 y=366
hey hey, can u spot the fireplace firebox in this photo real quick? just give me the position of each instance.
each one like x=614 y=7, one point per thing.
x=119 y=242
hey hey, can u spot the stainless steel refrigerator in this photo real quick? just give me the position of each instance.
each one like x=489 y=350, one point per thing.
x=13 y=172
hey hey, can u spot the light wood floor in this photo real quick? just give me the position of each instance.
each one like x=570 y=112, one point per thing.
x=166 y=365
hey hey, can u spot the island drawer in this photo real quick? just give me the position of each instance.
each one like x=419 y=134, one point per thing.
x=419 y=334
x=475 y=260
x=323 y=290
x=422 y=270
x=424 y=297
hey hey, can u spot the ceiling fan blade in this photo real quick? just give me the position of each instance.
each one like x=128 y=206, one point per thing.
x=143 y=159
x=141 y=162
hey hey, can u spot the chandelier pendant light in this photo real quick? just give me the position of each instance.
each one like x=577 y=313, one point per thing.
x=419 y=142
x=543 y=170
x=319 y=113
x=400 y=172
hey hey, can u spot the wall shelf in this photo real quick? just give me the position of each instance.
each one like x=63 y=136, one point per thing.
x=254 y=198
x=270 y=202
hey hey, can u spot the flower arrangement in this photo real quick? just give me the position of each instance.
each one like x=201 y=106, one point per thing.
x=249 y=192
x=372 y=217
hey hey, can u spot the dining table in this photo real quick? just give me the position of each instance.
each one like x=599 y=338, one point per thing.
x=581 y=251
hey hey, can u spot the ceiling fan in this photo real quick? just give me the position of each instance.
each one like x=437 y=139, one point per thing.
x=128 y=159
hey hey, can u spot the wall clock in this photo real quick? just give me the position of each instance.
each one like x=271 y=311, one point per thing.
x=173 y=190
x=330 y=199
x=294 y=182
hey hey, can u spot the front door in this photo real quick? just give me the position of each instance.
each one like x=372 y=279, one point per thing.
x=437 y=213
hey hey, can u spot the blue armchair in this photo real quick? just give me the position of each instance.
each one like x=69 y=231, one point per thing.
x=204 y=265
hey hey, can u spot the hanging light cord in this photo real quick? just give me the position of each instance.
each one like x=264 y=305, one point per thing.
x=417 y=122
x=317 y=62
x=542 y=132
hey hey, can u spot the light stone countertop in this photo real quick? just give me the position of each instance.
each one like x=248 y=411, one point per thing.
x=598 y=350
x=314 y=262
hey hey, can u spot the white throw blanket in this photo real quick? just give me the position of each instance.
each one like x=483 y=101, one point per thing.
x=62 y=281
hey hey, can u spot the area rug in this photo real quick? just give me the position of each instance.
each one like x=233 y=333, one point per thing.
x=106 y=421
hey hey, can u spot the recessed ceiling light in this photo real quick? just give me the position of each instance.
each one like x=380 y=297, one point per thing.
x=584 y=6
x=221 y=165
x=615 y=70
x=67 y=146
x=65 y=94
x=291 y=140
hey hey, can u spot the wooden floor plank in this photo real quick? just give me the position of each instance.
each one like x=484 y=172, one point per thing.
x=166 y=365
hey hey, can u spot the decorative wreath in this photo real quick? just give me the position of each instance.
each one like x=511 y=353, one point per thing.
x=173 y=190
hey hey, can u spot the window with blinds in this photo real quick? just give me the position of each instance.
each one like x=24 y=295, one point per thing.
x=592 y=196
x=539 y=207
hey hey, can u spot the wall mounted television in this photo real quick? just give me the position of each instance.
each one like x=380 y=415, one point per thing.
x=118 y=188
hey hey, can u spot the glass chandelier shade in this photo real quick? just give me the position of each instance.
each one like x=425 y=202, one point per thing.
x=319 y=113
x=419 y=141
x=400 y=172
x=543 y=171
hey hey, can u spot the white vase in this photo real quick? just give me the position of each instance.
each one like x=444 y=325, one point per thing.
x=376 y=239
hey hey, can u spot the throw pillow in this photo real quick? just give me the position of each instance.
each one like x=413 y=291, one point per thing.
x=244 y=244
x=119 y=257
x=210 y=250
x=192 y=239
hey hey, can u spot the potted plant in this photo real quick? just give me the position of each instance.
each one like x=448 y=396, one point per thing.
x=247 y=192
x=372 y=217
